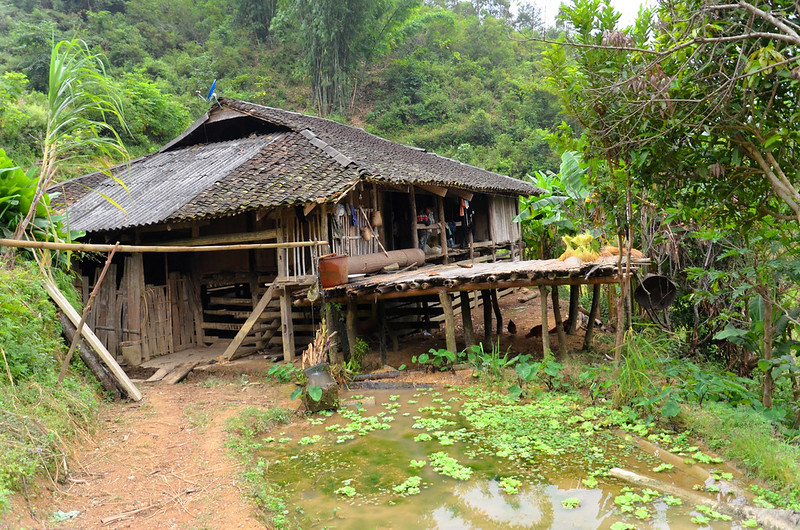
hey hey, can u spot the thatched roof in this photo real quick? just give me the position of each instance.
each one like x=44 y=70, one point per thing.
x=241 y=156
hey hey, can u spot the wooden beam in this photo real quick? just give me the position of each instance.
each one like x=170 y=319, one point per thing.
x=497 y=314
x=595 y=308
x=88 y=247
x=432 y=188
x=466 y=318
x=287 y=326
x=221 y=239
x=248 y=324
x=545 y=324
x=449 y=320
x=120 y=375
x=464 y=194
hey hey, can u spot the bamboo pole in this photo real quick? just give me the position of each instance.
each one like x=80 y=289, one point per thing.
x=89 y=247
x=84 y=314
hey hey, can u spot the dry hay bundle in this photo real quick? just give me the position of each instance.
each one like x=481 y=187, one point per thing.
x=317 y=351
x=579 y=246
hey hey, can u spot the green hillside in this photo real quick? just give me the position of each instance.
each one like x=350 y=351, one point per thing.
x=446 y=76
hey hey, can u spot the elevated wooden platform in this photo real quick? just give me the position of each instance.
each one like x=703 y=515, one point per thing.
x=465 y=276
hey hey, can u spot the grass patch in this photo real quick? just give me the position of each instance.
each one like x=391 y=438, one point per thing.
x=747 y=437
x=246 y=433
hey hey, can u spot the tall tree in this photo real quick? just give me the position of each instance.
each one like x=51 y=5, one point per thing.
x=340 y=37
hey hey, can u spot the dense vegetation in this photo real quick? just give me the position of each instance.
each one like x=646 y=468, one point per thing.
x=444 y=76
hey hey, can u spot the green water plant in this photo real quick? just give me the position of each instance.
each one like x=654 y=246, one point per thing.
x=409 y=487
x=493 y=364
x=446 y=465
x=436 y=359
x=571 y=503
x=510 y=485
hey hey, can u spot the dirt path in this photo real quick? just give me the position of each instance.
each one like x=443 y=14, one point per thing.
x=164 y=457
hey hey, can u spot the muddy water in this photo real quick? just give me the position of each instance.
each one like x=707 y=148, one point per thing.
x=317 y=463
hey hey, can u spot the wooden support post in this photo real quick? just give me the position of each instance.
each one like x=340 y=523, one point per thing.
x=486 y=298
x=414 y=235
x=466 y=318
x=497 y=314
x=443 y=229
x=545 y=324
x=287 y=326
x=248 y=324
x=352 y=316
x=587 y=339
x=574 y=302
x=562 y=337
x=134 y=316
x=332 y=318
x=382 y=330
x=449 y=320
x=89 y=358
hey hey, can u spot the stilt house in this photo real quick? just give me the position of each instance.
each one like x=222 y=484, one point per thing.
x=245 y=173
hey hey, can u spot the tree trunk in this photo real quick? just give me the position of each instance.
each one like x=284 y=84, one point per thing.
x=769 y=382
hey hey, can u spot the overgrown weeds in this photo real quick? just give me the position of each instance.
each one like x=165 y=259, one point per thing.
x=247 y=432
x=38 y=417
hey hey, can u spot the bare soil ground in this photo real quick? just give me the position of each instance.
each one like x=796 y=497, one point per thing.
x=162 y=463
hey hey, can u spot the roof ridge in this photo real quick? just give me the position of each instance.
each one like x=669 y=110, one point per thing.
x=331 y=151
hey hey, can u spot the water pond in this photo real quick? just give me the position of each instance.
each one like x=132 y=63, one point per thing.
x=428 y=458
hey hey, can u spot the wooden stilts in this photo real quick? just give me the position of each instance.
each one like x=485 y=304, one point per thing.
x=332 y=319
x=486 y=298
x=352 y=316
x=443 y=230
x=466 y=318
x=562 y=337
x=545 y=324
x=449 y=320
x=587 y=339
x=497 y=314
x=574 y=302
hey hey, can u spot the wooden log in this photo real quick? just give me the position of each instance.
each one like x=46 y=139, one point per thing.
x=562 y=337
x=88 y=247
x=595 y=308
x=486 y=298
x=466 y=318
x=574 y=303
x=126 y=384
x=89 y=358
x=449 y=319
x=545 y=324
x=248 y=325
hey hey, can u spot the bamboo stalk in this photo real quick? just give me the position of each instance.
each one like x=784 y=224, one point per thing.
x=89 y=247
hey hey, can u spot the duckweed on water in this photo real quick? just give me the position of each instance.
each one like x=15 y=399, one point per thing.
x=449 y=466
x=409 y=487
x=571 y=503
x=510 y=485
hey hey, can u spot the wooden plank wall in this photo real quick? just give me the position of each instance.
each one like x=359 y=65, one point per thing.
x=104 y=315
x=349 y=241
